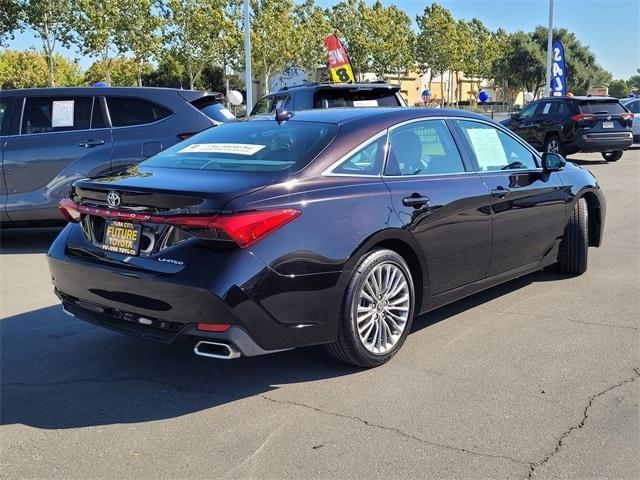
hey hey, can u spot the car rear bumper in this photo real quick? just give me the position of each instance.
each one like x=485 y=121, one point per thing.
x=602 y=142
x=266 y=311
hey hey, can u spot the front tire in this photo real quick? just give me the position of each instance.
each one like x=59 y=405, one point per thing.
x=377 y=310
x=572 y=259
x=612 y=156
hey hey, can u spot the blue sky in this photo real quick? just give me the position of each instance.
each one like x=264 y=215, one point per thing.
x=609 y=27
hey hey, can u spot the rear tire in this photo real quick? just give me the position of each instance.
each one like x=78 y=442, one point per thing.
x=374 y=322
x=572 y=258
x=553 y=144
x=612 y=156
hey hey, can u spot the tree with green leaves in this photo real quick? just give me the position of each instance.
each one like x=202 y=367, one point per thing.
x=313 y=26
x=481 y=53
x=619 y=88
x=349 y=21
x=11 y=14
x=275 y=40
x=392 y=40
x=437 y=37
x=141 y=33
x=98 y=25
x=195 y=32
x=121 y=71
x=29 y=68
x=51 y=20
x=583 y=71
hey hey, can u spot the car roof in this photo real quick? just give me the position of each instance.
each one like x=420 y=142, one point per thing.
x=340 y=86
x=187 y=94
x=346 y=115
x=580 y=98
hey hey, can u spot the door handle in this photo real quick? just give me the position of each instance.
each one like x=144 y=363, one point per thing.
x=500 y=192
x=415 y=200
x=90 y=143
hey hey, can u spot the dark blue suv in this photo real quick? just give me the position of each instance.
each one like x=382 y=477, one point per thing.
x=50 y=137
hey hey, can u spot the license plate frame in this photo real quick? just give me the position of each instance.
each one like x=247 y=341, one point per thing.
x=122 y=237
x=607 y=124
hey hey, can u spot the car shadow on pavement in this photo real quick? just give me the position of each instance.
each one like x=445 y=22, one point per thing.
x=27 y=240
x=58 y=372
x=587 y=162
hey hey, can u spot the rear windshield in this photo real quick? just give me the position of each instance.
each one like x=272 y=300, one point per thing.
x=612 y=106
x=217 y=112
x=249 y=146
x=356 y=98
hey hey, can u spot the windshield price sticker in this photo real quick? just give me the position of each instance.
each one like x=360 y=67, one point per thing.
x=62 y=113
x=233 y=148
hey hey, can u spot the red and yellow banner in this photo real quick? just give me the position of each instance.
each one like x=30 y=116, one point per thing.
x=339 y=64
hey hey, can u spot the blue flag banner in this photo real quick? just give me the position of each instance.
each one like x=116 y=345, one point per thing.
x=558 y=71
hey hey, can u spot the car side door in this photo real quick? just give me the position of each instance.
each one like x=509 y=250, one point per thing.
x=61 y=138
x=6 y=118
x=440 y=201
x=527 y=204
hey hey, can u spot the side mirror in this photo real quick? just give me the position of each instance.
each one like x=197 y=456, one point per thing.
x=515 y=116
x=552 y=162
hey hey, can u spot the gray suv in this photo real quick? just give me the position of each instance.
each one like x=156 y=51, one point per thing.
x=50 y=137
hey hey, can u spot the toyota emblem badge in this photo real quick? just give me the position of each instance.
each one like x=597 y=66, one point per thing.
x=113 y=199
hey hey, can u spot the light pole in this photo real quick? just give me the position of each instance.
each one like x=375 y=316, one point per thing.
x=549 y=49
x=247 y=57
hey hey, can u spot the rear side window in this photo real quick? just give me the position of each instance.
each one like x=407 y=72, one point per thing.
x=355 y=98
x=601 y=107
x=366 y=161
x=249 y=146
x=127 y=112
x=56 y=114
x=634 y=107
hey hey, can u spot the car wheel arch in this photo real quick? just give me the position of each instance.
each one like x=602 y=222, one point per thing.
x=594 y=216
x=403 y=244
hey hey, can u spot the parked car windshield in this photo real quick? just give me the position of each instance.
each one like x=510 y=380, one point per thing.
x=375 y=97
x=249 y=146
x=607 y=106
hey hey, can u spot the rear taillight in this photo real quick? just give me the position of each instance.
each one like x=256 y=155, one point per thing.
x=582 y=117
x=627 y=116
x=248 y=228
x=69 y=210
x=184 y=136
x=243 y=228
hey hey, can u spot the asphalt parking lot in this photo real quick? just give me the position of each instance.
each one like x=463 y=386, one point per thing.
x=537 y=378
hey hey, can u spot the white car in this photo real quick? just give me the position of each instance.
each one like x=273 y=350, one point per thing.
x=633 y=105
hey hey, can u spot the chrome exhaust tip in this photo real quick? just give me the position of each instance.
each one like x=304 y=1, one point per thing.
x=223 y=351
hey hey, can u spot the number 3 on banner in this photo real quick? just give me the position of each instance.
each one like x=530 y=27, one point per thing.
x=342 y=74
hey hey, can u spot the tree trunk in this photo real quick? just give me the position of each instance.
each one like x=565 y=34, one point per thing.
x=266 y=83
x=139 y=74
x=52 y=69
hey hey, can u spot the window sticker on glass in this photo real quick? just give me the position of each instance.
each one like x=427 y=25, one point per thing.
x=233 y=148
x=227 y=113
x=365 y=103
x=487 y=147
x=62 y=113
x=547 y=107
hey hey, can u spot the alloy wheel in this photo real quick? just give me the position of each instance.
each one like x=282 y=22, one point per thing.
x=383 y=308
x=552 y=146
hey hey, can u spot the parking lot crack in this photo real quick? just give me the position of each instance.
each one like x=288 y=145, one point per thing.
x=579 y=425
x=397 y=431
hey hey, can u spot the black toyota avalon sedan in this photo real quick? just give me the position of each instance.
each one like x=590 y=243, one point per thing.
x=330 y=227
